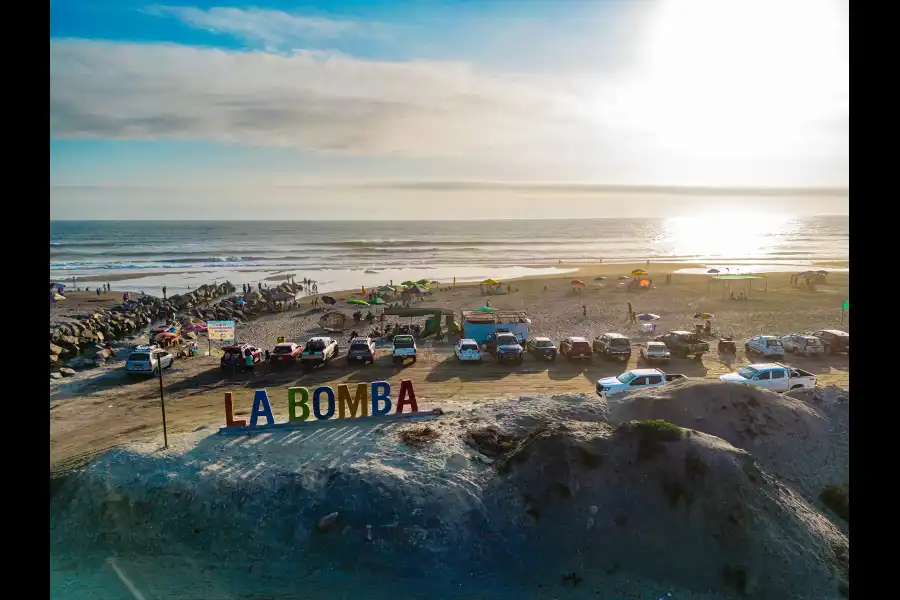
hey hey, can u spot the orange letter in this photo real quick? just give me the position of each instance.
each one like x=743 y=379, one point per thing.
x=406 y=389
x=229 y=413
x=361 y=403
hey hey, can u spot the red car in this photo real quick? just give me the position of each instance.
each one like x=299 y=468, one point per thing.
x=239 y=351
x=287 y=352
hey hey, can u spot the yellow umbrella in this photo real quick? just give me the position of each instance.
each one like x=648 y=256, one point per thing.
x=491 y=282
x=638 y=272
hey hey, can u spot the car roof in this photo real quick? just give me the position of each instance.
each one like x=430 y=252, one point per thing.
x=320 y=339
x=655 y=343
x=577 y=338
x=640 y=372
x=361 y=339
x=468 y=340
x=285 y=344
x=613 y=334
x=402 y=335
x=837 y=332
x=682 y=332
x=769 y=337
x=766 y=366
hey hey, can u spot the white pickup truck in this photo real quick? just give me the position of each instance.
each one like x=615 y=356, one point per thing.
x=772 y=376
x=635 y=379
x=404 y=346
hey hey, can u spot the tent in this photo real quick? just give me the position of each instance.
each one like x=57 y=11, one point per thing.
x=333 y=322
x=728 y=281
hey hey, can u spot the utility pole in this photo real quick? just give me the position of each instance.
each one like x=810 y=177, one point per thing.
x=162 y=400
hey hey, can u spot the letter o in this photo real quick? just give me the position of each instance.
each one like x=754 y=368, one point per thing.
x=316 y=404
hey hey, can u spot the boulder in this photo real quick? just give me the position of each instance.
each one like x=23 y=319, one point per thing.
x=54 y=358
x=56 y=375
x=54 y=349
x=67 y=372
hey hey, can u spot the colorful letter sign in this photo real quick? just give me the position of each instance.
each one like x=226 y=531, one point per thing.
x=220 y=330
x=325 y=403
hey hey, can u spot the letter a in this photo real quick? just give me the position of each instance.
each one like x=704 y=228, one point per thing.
x=261 y=407
x=229 y=413
x=407 y=397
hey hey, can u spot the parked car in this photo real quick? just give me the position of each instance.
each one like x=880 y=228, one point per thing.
x=319 y=350
x=284 y=353
x=772 y=376
x=796 y=343
x=834 y=340
x=238 y=352
x=362 y=349
x=635 y=379
x=148 y=361
x=574 y=347
x=542 y=348
x=684 y=344
x=613 y=345
x=655 y=352
x=404 y=346
x=467 y=349
x=769 y=346
x=505 y=347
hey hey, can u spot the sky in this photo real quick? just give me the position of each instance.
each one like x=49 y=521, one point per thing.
x=439 y=109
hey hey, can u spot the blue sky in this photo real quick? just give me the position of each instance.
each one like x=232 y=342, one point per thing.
x=317 y=96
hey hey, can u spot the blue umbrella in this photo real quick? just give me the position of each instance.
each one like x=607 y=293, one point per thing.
x=647 y=317
x=239 y=303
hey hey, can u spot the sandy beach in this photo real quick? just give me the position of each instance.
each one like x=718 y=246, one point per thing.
x=101 y=408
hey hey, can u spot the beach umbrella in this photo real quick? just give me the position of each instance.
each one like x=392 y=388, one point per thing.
x=491 y=282
x=386 y=288
x=485 y=308
x=600 y=278
x=433 y=282
x=647 y=317
x=377 y=300
x=422 y=282
x=638 y=272
x=713 y=271
x=358 y=302
x=58 y=297
x=578 y=282
x=408 y=283
x=704 y=316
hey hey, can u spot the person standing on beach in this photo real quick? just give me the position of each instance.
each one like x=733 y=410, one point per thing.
x=454 y=282
x=630 y=310
x=248 y=362
x=164 y=292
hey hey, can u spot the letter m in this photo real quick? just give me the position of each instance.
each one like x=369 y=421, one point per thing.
x=360 y=404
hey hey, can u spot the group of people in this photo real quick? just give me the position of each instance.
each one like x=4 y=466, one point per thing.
x=232 y=360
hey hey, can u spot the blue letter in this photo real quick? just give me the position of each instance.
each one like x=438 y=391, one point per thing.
x=381 y=390
x=317 y=409
x=261 y=407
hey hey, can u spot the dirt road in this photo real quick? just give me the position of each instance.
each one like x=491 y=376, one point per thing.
x=95 y=415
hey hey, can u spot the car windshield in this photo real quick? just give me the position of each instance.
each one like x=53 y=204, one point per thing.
x=688 y=338
x=359 y=344
x=621 y=342
x=283 y=349
x=315 y=346
x=139 y=357
x=747 y=372
x=544 y=344
x=813 y=342
x=506 y=340
x=656 y=348
x=626 y=377
x=581 y=346
x=773 y=343
x=469 y=347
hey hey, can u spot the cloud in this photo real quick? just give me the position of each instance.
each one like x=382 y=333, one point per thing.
x=272 y=28
x=318 y=101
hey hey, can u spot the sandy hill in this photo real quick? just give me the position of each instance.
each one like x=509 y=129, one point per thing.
x=532 y=497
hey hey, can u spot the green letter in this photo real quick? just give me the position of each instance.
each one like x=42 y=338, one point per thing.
x=293 y=403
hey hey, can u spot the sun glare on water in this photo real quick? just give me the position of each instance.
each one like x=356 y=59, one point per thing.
x=729 y=235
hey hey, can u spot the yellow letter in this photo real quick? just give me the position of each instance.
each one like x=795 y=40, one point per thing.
x=361 y=403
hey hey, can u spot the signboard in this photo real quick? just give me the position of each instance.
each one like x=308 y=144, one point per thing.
x=220 y=330
x=324 y=404
x=846 y=305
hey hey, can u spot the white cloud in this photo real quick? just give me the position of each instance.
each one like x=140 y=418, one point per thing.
x=273 y=28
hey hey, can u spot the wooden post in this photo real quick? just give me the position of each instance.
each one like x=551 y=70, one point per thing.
x=162 y=401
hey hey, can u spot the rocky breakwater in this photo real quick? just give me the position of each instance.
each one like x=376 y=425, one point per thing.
x=78 y=341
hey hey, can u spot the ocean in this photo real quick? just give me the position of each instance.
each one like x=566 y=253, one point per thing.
x=145 y=255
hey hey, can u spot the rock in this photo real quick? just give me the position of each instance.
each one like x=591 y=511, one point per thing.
x=54 y=349
x=56 y=375
x=326 y=522
x=67 y=372
x=54 y=359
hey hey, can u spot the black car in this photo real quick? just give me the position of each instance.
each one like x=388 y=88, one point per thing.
x=834 y=340
x=684 y=344
x=613 y=345
x=542 y=347
x=506 y=347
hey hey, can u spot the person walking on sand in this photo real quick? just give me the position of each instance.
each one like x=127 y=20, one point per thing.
x=584 y=310
x=630 y=310
x=164 y=292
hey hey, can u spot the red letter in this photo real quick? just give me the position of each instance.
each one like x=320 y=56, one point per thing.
x=406 y=389
x=229 y=413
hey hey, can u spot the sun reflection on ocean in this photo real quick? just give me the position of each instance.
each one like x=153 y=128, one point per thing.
x=726 y=235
